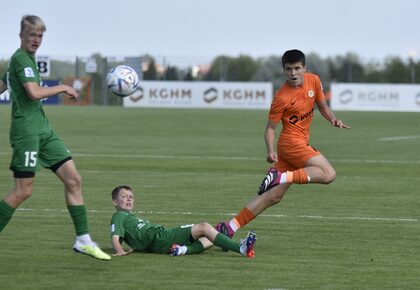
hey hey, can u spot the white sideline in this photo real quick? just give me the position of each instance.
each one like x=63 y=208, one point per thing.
x=233 y=214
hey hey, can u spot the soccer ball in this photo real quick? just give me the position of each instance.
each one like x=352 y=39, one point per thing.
x=122 y=80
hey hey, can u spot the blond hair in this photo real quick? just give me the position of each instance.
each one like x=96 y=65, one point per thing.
x=32 y=20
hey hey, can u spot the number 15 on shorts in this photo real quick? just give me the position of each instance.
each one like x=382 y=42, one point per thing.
x=30 y=158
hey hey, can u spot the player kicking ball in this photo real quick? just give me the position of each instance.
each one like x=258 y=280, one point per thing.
x=295 y=161
x=143 y=236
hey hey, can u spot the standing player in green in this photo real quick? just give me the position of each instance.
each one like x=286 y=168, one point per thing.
x=143 y=236
x=34 y=142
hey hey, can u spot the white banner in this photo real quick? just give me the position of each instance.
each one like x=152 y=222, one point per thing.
x=375 y=97
x=175 y=94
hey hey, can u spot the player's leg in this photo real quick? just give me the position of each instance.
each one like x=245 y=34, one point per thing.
x=320 y=170
x=24 y=165
x=21 y=192
x=220 y=240
x=71 y=179
x=253 y=209
x=56 y=157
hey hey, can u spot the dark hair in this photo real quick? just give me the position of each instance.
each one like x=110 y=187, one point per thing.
x=116 y=190
x=293 y=56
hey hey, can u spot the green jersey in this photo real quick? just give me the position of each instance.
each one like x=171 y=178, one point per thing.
x=137 y=233
x=28 y=117
x=142 y=235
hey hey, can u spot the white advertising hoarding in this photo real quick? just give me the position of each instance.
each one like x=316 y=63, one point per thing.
x=227 y=95
x=375 y=97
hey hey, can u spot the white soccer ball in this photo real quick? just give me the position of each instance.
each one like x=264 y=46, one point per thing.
x=122 y=80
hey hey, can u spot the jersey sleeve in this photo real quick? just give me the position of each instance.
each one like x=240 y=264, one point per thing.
x=117 y=225
x=319 y=90
x=26 y=70
x=276 y=109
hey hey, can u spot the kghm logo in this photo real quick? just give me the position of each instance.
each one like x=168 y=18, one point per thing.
x=210 y=95
x=418 y=99
x=346 y=96
x=137 y=95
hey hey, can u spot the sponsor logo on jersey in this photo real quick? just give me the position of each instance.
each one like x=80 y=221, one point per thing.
x=311 y=93
x=29 y=73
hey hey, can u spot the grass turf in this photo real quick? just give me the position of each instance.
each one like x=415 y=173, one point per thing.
x=188 y=166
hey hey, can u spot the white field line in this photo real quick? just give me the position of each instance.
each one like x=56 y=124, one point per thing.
x=145 y=156
x=400 y=138
x=274 y=216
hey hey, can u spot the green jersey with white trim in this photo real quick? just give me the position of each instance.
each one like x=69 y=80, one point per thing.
x=137 y=233
x=28 y=117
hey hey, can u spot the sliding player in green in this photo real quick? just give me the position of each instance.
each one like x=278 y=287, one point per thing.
x=144 y=236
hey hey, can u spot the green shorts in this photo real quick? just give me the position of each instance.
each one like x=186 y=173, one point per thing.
x=165 y=239
x=32 y=152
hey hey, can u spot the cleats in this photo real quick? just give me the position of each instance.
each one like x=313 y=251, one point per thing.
x=224 y=228
x=176 y=250
x=247 y=245
x=92 y=250
x=272 y=179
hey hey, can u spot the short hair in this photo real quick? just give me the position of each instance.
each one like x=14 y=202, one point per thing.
x=117 y=190
x=34 y=21
x=293 y=56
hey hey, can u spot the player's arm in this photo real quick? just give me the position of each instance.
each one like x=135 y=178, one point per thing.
x=269 y=137
x=119 y=251
x=326 y=112
x=36 y=92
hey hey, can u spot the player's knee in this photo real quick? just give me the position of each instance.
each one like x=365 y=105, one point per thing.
x=202 y=228
x=329 y=176
x=74 y=181
x=22 y=194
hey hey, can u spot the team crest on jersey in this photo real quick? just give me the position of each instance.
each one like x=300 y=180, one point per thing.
x=29 y=73
x=311 y=93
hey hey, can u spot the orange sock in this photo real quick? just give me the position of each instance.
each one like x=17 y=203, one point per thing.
x=300 y=176
x=243 y=217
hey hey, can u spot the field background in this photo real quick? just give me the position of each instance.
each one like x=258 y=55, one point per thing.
x=188 y=166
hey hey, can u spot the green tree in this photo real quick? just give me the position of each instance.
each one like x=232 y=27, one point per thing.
x=150 y=73
x=171 y=73
x=225 y=68
x=396 y=71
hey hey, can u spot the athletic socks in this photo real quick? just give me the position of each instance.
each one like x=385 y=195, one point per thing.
x=244 y=217
x=298 y=176
x=195 y=248
x=224 y=242
x=79 y=217
x=6 y=213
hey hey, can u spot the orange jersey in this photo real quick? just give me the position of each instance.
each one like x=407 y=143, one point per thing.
x=295 y=108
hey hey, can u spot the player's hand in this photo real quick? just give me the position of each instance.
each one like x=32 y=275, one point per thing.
x=339 y=124
x=74 y=95
x=272 y=157
x=123 y=253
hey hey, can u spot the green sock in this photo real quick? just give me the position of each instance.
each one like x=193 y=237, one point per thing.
x=79 y=217
x=223 y=241
x=6 y=212
x=195 y=248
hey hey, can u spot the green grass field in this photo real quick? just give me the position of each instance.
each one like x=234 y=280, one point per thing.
x=188 y=166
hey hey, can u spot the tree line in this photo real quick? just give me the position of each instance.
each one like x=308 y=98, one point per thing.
x=243 y=68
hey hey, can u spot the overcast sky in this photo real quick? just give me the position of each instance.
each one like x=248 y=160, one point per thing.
x=186 y=31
